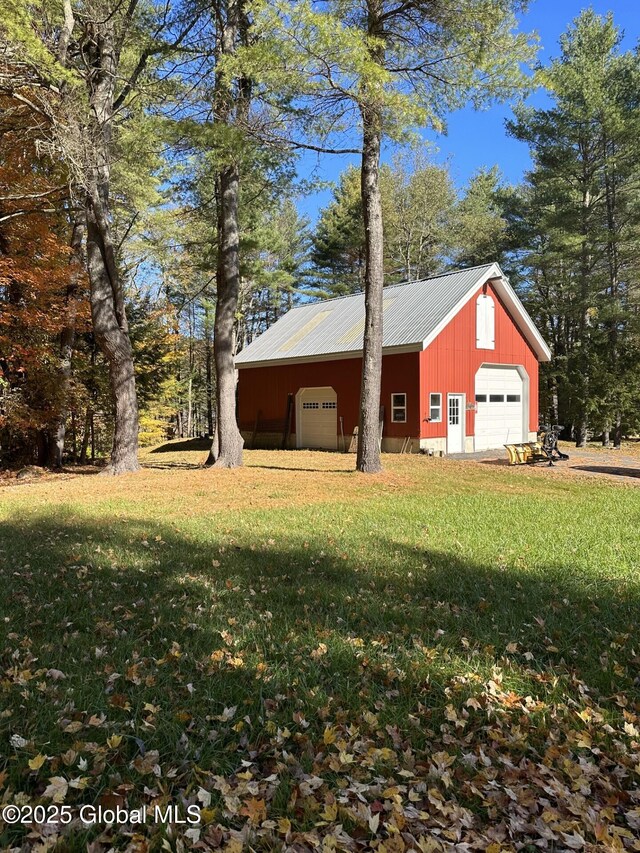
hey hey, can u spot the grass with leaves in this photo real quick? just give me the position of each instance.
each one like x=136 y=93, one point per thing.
x=444 y=654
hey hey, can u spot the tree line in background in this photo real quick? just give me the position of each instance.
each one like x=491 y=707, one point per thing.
x=148 y=218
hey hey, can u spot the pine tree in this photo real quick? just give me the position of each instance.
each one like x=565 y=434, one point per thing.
x=392 y=67
x=581 y=212
x=479 y=223
x=418 y=203
x=338 y=240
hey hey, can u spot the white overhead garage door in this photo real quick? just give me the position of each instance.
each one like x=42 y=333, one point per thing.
x=500 y=402
x=317 y=418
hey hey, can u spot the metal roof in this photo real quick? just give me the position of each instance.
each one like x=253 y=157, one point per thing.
x=414 y=313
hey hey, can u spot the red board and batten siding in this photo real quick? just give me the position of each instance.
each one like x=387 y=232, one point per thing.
x=448 y=366
x=265 y=389
x=450 y=363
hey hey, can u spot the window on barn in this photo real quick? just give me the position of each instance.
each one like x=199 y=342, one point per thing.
x=399 y=408
x=435 y=408
x=485 y=322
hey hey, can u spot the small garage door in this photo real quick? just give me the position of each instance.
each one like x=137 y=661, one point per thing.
x=317 y=418
x=500 y=403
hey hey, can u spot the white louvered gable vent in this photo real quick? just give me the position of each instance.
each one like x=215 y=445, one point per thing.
x=485 y=322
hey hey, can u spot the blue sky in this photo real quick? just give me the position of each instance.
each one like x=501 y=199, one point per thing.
x=476 y=139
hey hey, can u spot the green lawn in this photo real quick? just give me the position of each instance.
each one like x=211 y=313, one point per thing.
x=445 y=653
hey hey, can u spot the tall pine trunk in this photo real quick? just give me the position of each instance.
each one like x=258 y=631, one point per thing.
x=617 y=431
x=231 y=106
x=583 y=379
x=112 y=336
x=97 y=63
x=228 y=444
x=108 y=313
x=368 y=453
x=209 y=370
x=67 y=341
x=613 y=236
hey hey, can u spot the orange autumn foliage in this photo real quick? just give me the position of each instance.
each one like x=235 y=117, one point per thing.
x=34 y=281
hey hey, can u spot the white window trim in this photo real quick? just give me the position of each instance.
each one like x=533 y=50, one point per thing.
x=437 y=420
x=394 y=420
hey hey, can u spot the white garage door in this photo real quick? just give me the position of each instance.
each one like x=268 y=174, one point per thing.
x=317 y=418
x=499 y=407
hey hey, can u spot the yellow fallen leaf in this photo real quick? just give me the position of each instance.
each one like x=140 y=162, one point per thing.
x=329 y=735
x=284 y=826
x=330 y=812
x=114 y=741
x=316 y=654
x=37 y=761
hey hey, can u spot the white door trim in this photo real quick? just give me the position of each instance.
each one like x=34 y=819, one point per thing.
x=462 y=424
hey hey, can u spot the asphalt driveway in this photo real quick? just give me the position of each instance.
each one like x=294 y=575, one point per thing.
x=593 y=461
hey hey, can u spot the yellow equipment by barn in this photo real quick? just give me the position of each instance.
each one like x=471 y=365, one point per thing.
x=544 y=450
x=522 y=454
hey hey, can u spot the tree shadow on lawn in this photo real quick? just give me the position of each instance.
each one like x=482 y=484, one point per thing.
x=610 y=470
x=171 y=466
x=184 y=446
x=318 y=470
x=136 y=588
x=189 y=445
x=202 y=650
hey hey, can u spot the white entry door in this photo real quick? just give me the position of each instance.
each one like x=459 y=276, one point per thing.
x=500 y=407
x=455 y=423
x=317 y=418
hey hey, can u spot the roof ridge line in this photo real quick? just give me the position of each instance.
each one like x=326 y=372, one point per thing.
x=400 y=284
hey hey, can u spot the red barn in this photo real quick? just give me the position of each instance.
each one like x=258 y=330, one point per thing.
x=459 y=369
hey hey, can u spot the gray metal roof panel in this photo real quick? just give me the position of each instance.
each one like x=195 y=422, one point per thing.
x=411 y=313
